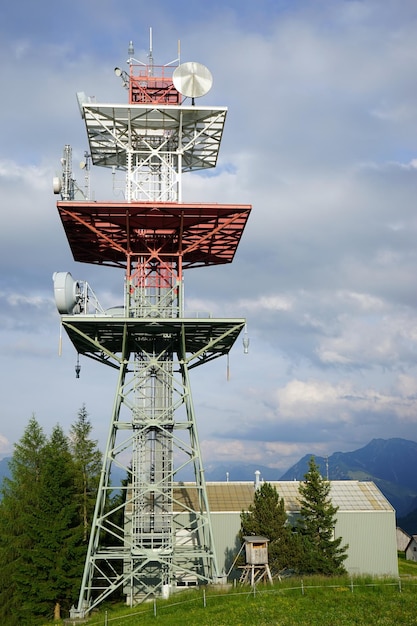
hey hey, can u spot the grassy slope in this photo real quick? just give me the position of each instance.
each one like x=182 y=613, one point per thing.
x=313 y=601
x=406 y=568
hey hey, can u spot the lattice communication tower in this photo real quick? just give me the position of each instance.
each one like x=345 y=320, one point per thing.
x=154 y=540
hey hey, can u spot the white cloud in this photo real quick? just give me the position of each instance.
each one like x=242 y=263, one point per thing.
x=31 y=176
x=5 y=446
x=302 y=400
x=22 y=299
x=342 y=402
x=388 y=340
x=270 y=454
x=266 y=303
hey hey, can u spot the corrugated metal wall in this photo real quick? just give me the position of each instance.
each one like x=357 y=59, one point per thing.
x=226 y=527
x=371 y=536
x=365 y=521
x=372 y=540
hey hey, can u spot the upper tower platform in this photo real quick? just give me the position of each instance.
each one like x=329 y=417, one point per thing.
x=149 y=143
x=117 y=131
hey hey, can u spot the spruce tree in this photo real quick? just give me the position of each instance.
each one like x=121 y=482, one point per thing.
x=52 y=568
x=41 y=530
x=21 y=500
x=322 y=552
x=267 y=517
x=88 y=460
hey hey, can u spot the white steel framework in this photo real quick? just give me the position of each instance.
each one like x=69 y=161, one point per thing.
x=154 y=144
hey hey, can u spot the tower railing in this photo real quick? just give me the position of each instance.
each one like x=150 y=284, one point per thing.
x=152 y=83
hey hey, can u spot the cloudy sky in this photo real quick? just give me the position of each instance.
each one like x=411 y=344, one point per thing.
x=321 y=138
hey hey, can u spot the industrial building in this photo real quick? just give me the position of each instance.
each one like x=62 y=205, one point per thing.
x=365 y=521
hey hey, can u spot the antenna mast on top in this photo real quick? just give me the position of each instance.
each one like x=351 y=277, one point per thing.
x=150 y=55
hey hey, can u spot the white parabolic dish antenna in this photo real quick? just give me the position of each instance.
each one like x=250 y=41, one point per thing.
x=67 y=292
x=192 y=80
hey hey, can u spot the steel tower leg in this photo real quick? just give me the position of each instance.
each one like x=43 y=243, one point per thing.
x=150 y=535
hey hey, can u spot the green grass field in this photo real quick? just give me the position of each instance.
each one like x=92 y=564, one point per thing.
x=313 y=601
x=406 y=568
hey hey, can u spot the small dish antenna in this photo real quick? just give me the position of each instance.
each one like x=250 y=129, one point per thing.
x=192 y=80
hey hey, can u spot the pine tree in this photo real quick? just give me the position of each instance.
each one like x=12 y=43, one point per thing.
x=322 y=552
x=88 y=460
x=267 y=517
x=21 y=498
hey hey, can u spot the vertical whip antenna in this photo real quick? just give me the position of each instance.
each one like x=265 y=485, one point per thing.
x=150 y=55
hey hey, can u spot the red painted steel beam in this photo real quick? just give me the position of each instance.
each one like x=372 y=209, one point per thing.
x=107 y=233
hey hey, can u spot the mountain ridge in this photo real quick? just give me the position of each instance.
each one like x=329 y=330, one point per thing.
x=390 y=463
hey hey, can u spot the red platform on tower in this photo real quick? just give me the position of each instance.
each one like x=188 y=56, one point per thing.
x=117 y=233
